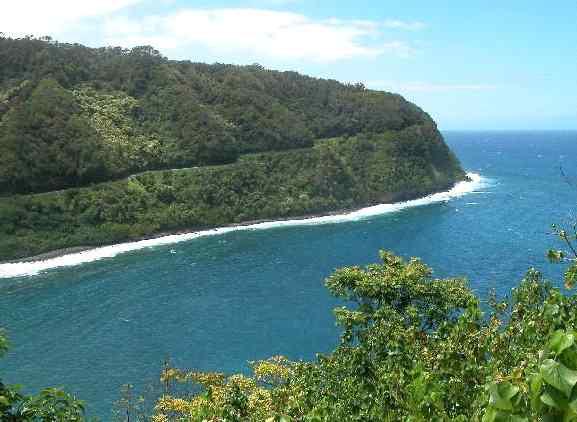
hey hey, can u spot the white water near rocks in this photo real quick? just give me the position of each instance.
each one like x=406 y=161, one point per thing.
x=28 y=268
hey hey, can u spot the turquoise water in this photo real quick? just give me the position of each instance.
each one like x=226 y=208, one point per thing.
x=215 y=303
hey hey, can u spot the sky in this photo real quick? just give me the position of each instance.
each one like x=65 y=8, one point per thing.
x=472 y=65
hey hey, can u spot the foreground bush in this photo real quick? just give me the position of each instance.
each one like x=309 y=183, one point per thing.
x=412 y=348
x=50 y=405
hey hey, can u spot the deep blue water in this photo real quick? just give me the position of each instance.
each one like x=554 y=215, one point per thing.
x=221 y=301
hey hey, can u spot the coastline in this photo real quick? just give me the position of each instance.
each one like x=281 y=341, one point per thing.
x=57 y=253
x=83 y=254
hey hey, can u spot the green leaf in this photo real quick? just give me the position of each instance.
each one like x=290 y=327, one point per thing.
x=554 y=401
x=535 y=385
x=571 y=276
x=493 y=415
x=551 y=309
x=573 y=405
x=490 y=415
x=558 y=376
x=569 y=358
x=555 y=256
x=561 y=341
x=500 y=395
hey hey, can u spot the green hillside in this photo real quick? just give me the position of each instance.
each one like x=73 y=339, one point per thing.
x=92 y=140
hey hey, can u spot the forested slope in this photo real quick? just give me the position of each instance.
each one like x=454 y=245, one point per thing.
x=73 y=115
x=76 y=123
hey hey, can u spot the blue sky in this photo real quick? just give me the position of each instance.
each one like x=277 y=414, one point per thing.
x=471 y=64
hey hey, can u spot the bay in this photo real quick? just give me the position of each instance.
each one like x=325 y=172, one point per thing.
x=215 y=303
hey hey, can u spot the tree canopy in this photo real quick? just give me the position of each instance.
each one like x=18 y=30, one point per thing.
x=50 y=405
x=413 y=348
x=72 y=115
x=335 y=174
x=103 y=145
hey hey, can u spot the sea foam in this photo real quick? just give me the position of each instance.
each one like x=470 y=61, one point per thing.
x=28 y=268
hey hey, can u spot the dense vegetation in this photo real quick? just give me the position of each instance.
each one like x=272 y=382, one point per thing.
x=266 y=145
x=50 y=405
x=335 y=174
x=104 y=145
x=413 y=348
x=72 y=115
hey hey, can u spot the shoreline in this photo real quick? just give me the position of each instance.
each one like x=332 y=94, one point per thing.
x=57 y=253
x=65 y=257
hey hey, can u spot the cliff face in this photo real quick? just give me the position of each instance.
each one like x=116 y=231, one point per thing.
x=237 y=143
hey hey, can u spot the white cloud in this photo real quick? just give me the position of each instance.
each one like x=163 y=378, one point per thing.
x=129 y=33
x=43 y=17
x=411 y=87
x=405 y=25
x=268 y=33
x=254 y=33
x=399 y=48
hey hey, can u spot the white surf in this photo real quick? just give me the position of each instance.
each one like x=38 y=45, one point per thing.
x=28 y=268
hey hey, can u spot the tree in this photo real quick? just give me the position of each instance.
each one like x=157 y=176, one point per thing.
x=45 y=145
x=50 y=405
x=412 y=348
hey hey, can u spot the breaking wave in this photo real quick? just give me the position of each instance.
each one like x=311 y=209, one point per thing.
x=28 y=268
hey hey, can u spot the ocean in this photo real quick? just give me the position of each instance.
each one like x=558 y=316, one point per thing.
x=216 y=300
